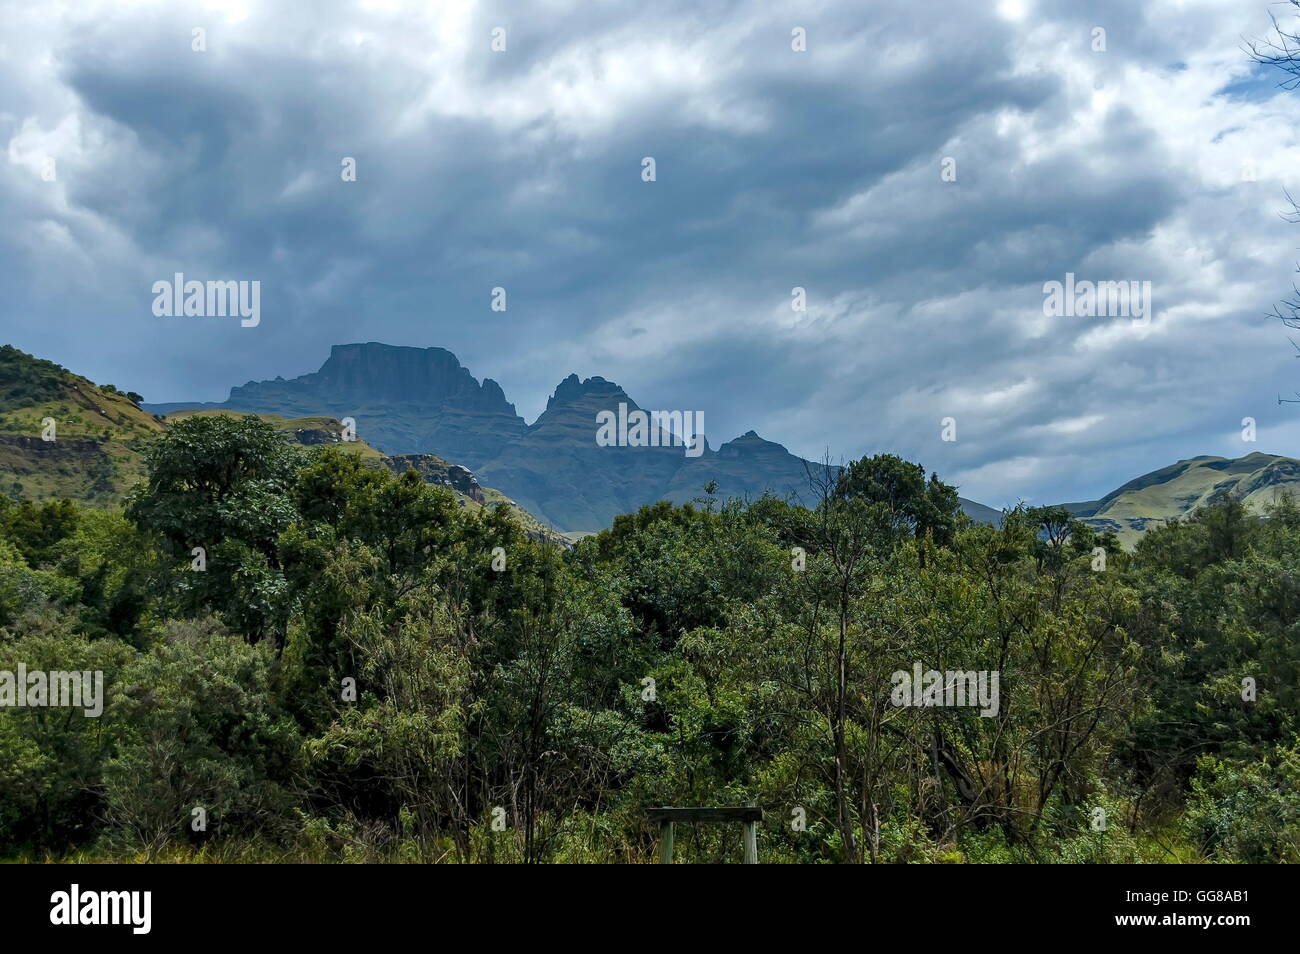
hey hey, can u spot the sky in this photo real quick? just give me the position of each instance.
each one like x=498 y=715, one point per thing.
x=920 y=173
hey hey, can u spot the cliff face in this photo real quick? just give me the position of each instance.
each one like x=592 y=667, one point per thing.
x=435 y=470
x=384 y=374
x=404 y=400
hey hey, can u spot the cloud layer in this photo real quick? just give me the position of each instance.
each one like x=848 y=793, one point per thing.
x=1162 y=158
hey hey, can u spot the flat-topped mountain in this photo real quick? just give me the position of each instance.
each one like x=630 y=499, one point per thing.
x=404 y=400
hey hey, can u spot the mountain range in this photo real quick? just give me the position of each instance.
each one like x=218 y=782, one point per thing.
x=420 y=408
x=421 y=400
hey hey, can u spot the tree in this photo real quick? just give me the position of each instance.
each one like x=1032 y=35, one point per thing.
x=900 y=501
x=198 y=726
x=1281 y=51
x=222 y=484
x=36 y=529
x=51 y=759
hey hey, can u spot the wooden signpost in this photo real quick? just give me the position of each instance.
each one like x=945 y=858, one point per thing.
x=750 y=815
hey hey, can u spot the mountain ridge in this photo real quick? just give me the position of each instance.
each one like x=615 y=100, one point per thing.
x=550 y=469
x=424 y=400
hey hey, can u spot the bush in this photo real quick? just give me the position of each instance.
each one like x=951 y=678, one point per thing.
x=51 y=758
x=199 y=728
x=1247 y=811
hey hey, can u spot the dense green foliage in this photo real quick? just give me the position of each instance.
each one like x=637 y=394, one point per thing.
x=28 y=380
x=360 y=668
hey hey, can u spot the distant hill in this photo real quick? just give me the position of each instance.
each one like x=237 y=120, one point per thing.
x=99 y=433
x=1182 y=488
x=980 y=513
x=421 y=400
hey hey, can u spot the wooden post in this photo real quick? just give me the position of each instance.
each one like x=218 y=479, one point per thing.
x=750 y=815
x=665 y=842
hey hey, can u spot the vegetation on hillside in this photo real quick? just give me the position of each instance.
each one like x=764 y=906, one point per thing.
x=25 y=381
x=361 y=669
x=1257 y=480
x=99 y=434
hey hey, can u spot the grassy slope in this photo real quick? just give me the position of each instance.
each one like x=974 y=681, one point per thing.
x=1175 y=491
x=100 y=436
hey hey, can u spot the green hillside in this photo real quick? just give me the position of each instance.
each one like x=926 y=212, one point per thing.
x=99 y=433
x=1180 y=489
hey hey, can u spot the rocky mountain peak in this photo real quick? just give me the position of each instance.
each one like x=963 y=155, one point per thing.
x=572 y=391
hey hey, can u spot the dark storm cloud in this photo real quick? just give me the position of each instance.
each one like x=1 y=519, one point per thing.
x=775 y=169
